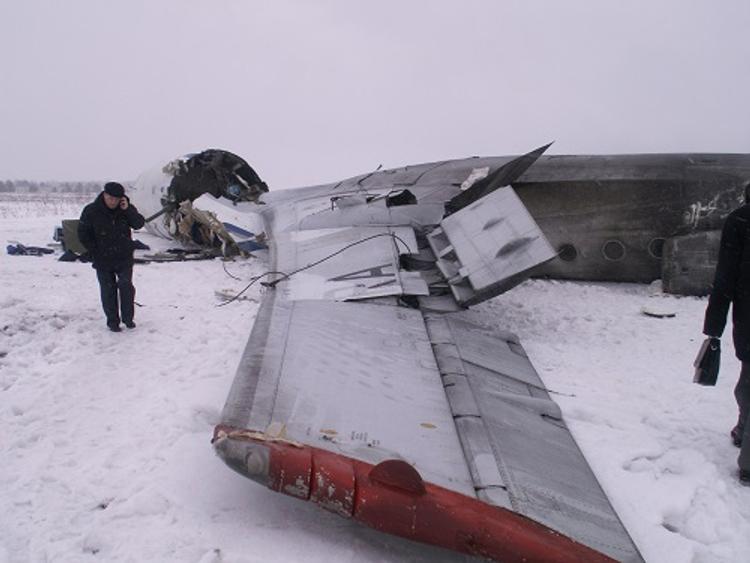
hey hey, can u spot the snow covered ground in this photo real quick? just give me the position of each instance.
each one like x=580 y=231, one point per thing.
x=104 y=438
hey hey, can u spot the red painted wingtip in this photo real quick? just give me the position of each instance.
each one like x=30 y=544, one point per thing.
x=393 y=498
x=399 y=474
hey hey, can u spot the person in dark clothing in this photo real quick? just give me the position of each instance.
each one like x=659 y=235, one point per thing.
x=104 y=229
x=732 y=286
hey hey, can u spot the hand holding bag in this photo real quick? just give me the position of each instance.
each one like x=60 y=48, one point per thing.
x=707 y=362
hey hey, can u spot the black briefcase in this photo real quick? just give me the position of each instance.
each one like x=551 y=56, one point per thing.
x=707 y=362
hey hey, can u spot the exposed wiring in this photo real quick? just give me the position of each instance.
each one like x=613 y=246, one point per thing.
x=248 y=286
x=227 y=272
x=339 y=251
x=285 y=276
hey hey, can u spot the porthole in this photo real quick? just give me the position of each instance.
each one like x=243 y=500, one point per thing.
x=613 y=250
x=656 y=247
x=567 y=252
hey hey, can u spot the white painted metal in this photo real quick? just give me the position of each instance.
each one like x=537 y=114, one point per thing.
x=489 y=243
x=368 y=268
x=361 y=380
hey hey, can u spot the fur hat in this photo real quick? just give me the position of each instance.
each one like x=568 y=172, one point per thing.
x=114 y=189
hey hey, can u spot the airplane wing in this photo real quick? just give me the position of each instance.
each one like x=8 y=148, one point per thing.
x=368 y=387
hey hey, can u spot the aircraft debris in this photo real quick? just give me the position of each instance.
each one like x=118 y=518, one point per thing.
x=657 y=312
x=189 y=225
x=166 y=194
x=19 y=249
x=334 y=346
x=226 y=294
x=333 y=322
x=180 y=255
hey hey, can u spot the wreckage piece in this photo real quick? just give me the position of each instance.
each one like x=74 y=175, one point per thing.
x=503 y=176
x=68 y=237
x=216 y=172
x=608 y=217
x=488 y=246
x=190 y=225
x=18 y=249
x=161 y=191
x=415 y=420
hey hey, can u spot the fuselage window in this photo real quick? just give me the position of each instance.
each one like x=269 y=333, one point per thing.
x=656 y=247
x=613 y=250
x=567 y=252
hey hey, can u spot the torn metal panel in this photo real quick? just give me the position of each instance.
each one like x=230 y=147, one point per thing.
x=503 y=176
x=159 y=192
x=216 y=172
x=486 y=248
x=190 y=225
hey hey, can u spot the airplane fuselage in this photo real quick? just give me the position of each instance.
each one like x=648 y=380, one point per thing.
x=623 y=218
x=617 y=218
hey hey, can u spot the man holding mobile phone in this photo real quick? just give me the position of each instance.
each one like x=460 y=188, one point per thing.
x=105 y=230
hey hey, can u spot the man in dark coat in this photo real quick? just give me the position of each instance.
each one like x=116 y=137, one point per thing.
x=104 y=229
x=732 y=285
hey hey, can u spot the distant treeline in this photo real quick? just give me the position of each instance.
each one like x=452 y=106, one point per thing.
x=31 y=187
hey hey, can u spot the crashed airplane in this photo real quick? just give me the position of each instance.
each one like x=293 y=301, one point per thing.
x=370 y=388
x=622 y=218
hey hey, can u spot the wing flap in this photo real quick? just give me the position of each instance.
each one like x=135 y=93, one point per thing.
x=519 y=451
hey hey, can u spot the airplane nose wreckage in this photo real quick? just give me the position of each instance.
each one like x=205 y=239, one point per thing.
x=167 y=192
x=369 y=387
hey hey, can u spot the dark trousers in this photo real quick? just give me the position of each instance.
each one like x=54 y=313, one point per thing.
x=742 y=394
x=112 y=282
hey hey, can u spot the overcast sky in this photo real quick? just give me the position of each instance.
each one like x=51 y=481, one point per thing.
x=309 y=91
